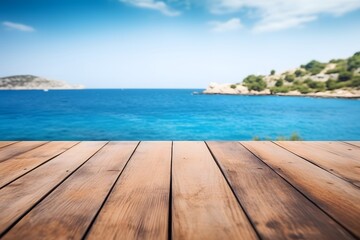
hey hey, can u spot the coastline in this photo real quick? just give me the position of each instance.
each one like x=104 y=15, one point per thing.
x=228 y=89
x=286 y=95
x=39 y=89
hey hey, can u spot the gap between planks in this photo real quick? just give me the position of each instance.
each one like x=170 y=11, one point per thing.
x=172 y=231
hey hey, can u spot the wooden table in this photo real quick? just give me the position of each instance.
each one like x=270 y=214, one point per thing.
x=180 y=190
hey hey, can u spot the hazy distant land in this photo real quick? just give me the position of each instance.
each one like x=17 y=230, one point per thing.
x=337 y=78
x=29 y=82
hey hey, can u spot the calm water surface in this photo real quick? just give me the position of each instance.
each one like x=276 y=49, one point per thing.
x=171 y=115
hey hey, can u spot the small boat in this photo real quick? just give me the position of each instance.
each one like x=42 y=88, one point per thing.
x=45 y=90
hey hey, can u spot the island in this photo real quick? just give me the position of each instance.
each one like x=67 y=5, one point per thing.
x=336 y=78
x=30 y=82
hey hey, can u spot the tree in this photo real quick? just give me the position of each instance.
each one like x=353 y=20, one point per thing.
x=355 y=82
x=272 y=72
x=290 y=77
x=256 y=83
x=331 y=84
x=354 y=62
x=345 y=76
x=279 y=83
x=299 y=73
x=314 y=67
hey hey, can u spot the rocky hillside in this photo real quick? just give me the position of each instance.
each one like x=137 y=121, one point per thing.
x=337 y=78
x=33 y=82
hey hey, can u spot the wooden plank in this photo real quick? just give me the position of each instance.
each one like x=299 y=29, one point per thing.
x=204 y=206
x=138 y=206
x=279 y=211
x=21 y=195
x=339 y=198
x=6 y=143
x=340 y=149
x=68 y=211
x=17 y=148
x=354 y=143
x=23 y=163
x=337 y=158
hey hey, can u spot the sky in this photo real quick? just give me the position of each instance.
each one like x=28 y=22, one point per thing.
x=171 y=43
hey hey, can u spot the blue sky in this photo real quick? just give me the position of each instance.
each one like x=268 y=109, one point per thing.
x=173 y=43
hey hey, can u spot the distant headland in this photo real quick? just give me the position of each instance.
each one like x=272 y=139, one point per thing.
x=30 y=82
x=337 y=78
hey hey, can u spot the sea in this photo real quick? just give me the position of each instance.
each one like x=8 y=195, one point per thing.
x=172 y=114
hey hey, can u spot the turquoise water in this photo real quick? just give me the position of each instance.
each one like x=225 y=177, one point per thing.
x=171 y=115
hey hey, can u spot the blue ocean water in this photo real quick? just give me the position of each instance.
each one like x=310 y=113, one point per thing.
x=171 y=115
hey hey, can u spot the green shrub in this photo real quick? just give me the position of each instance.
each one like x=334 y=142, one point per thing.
x=299 y=73
x=256 y=138
x=314 y=67
x=297 y=82
x=279 y=83
x=308 y=80
x=233 y=86
x=272 y=72
x=355 y=82
x=304 y=89
x=316 y=85
x=281 y=89
x=331 y=84
x=336 y=60
x=255 y=83
x=341 y=65
x=290 y=78
x=295 y=137
x=354 y=62
x=345 y=76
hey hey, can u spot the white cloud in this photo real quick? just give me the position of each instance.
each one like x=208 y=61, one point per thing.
x=153 y=5
x=267 y=26
x=230 y=25
x=275 y=15
x=18 y=26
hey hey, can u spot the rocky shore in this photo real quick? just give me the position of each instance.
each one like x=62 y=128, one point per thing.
x=30 y=82
x=339 y=78
x=225 y=89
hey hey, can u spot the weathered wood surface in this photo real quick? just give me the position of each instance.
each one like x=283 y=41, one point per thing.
x=337 y=158
x=337 y=197
x=138 y=206
x=354 y=143
x=23 y=163
x=12 y=150
x=21 y=195
x=69 y=209
x=279 y=211
x=203 y=205
x=6 y=143
x=179 y=190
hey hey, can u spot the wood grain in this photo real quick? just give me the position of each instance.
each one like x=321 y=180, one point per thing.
x=138 y=206
x=204 y=206
x=337 y=158
x=17 y=148
x=19 y=196
x=277 y=209
x=354 y=143
x=335 y=196
x=6 y=143
x=23 y=163
x=68 y=211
